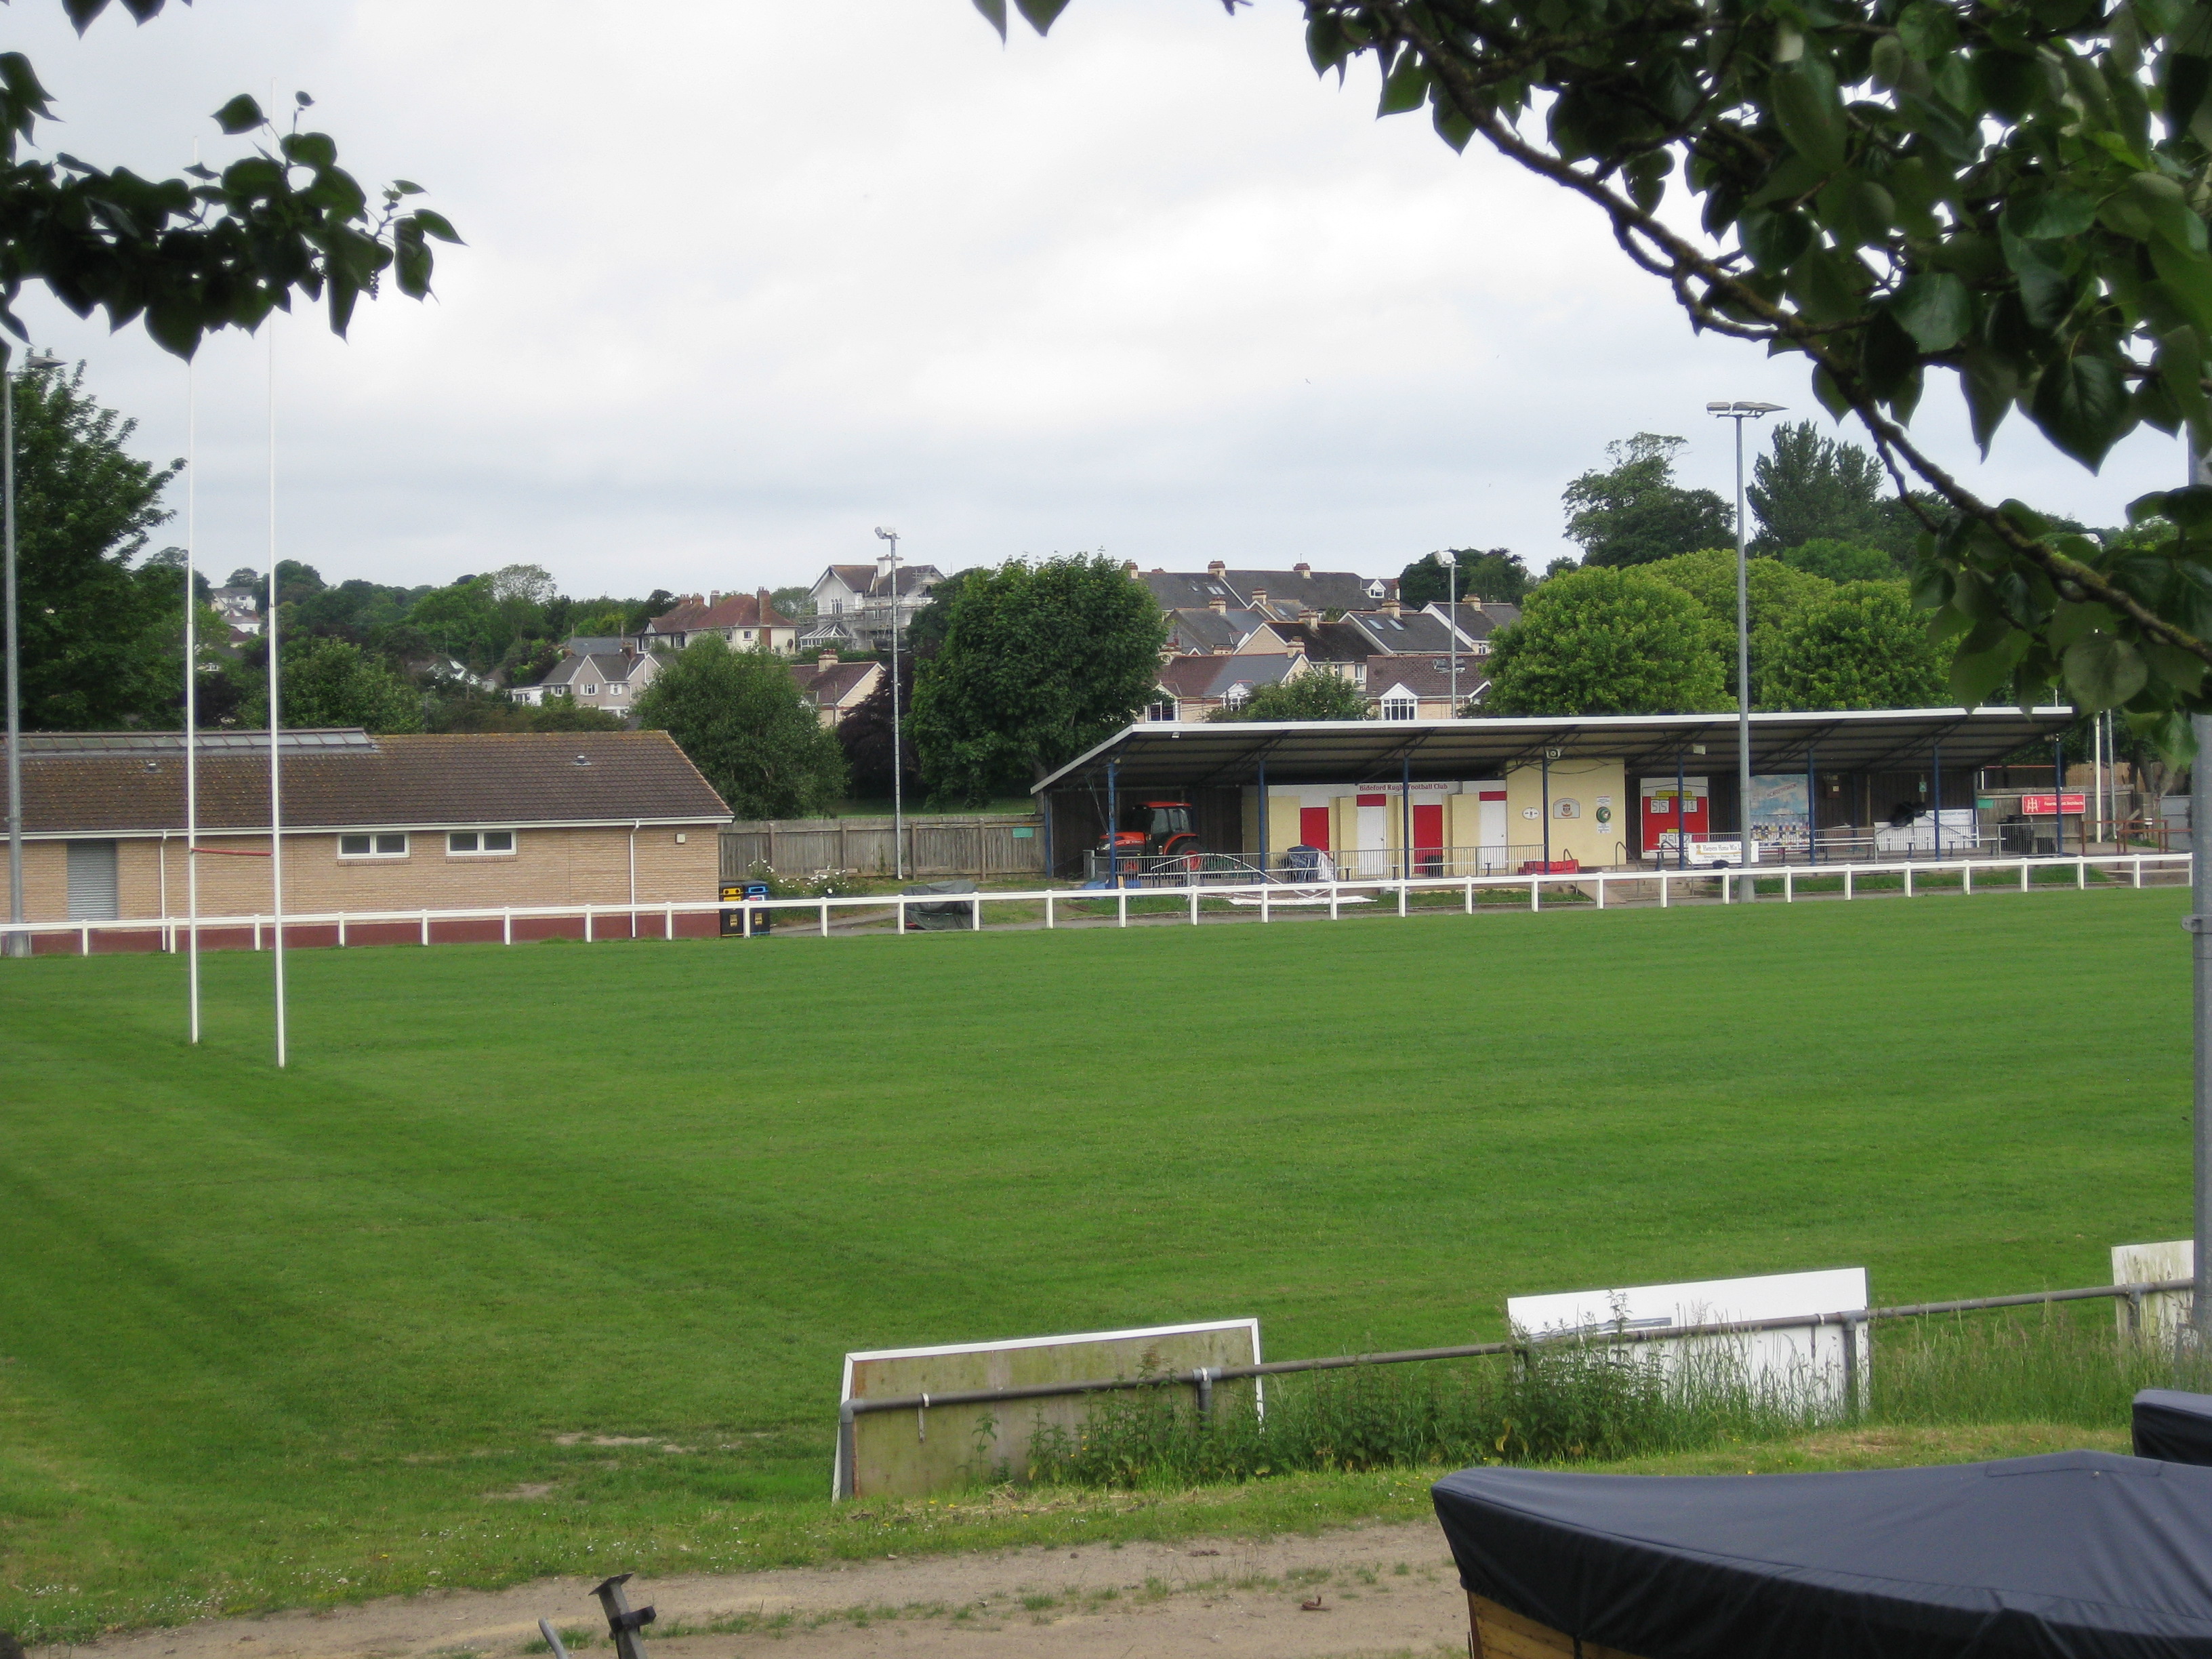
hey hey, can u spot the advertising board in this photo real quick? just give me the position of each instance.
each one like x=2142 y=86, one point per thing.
x=1804 y=1362
x=906 y=1453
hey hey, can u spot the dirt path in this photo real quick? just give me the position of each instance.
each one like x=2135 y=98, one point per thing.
x=1381 y=1590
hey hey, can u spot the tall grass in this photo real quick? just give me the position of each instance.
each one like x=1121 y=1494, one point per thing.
x=1568 y=1403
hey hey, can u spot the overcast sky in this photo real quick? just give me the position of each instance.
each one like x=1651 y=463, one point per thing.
x=745 y=279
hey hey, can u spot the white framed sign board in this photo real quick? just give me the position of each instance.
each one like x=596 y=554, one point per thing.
x=1806 y=1359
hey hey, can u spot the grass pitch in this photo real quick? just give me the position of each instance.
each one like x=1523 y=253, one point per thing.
x=543 y=1259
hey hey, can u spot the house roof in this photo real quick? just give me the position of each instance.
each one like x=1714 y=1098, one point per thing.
x=594 y=645
x=615 y=666
x=1478 y=621
x=867 y=580
x=1424 y=676
x=1197 y=678
x=1328 y=641
x=1212 y=630
x=698 y=614
x=111 y=783
x=1169 y=755
x=1412 y=631
x=832 y=687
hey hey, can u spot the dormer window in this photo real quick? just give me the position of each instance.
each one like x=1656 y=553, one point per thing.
x=1398 y=706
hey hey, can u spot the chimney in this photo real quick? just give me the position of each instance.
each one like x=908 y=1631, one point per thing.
x=1296 y=645
x=1302 y=570
x=1390 y=607
x=767 y=608
x=827 y=660
x=1307 y=616
x=1217 y=570
x=883 y=567
x=714 y=596
x=1217 y=604
x=1129 y=569
x=1258 y=598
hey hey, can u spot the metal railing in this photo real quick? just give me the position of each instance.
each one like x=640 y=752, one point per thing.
x=1065 y=905
x=1203 y=1378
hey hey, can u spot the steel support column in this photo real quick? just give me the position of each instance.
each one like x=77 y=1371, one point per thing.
x=1113 y=820
x=1548 y=811
x=1812 y=807
x=1405 y=816
x=1935 y=789
x=1682 y=815
x=1265 y=843
x=2200 y=942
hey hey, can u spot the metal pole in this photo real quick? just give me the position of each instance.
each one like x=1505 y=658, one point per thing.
x=1811 y=806
x=898 y=755
x=1935 y=789
x=191 y=709
x=1749 y=883
x=276 y=720
x=1406 y=819
x=18 y=943
x=1681 y=816
x=2058 y=797
x=2200 y=924
x=1548 y=811
x=1264 y=843
x=1451 y=612
x=1113 y=821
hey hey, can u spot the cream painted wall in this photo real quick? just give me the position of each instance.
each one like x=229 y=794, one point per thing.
x=1587 y=785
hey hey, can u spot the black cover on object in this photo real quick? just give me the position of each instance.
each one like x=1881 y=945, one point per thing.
x=2076 y=1555
x=2173 y=1426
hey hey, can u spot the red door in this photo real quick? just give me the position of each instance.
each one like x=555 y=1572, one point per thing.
x=1429 y=839
x=1313 y=827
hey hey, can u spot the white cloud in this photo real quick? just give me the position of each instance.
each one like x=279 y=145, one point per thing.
x=745 y=279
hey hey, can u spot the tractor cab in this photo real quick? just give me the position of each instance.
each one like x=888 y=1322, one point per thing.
x=1154 y=827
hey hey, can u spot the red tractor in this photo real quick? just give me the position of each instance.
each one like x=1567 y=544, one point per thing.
x=1155 y=828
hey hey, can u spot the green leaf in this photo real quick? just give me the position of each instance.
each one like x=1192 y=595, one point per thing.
x=1991 y=383
x=1407 y=87
x=2103 y=672
x=1986 y=657
x=435 y=224
x=2187 y=279
x=240 y=114
x=2081 y=405
x=2186 y=76
x=1808 y=112
x=1041 y=14
x=1935 y=309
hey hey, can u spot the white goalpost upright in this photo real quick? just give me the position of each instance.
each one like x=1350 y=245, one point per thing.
x=192 y=705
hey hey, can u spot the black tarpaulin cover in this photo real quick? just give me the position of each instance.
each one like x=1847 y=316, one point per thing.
x=2077 y=1555
x=2173 y=1426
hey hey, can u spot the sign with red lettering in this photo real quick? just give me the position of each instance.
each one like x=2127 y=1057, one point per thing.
x=2039 y=806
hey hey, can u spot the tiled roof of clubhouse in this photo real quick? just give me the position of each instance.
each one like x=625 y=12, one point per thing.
x=111 y=783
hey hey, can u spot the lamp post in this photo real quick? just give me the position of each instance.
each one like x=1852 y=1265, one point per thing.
x=898 y=755
x=1747 y=883
x=1451 y=618
x=19 y=944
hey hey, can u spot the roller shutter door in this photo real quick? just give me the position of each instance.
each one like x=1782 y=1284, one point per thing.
x=92 y=881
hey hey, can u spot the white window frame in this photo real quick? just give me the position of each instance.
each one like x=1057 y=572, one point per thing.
x=477 y=849
x=1402 y=708
x=376 y=848
x=614 y=690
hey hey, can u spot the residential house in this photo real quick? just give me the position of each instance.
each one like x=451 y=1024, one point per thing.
x=1419 y=687
x=1278 y=595
x=1340 y=647
x=240 y=610
x=596 y=673
x=1475 y=621
x=371 y=823
x=854 y=604
x=743 y=622
x=834 y=688
x=1192 y=687
x=1219 y=629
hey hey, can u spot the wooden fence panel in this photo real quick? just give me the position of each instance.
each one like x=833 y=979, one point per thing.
x=991 y=845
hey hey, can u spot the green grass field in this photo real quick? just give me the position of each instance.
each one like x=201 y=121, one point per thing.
x=273 y=1338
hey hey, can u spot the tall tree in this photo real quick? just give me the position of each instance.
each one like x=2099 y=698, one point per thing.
x=738 y=716
x=1810 y=486
x=332 y=682
x=866 y=737
x=1039 y=662
x=1636 y=512
x=2010 y=196
x=1498 y=575
x=102 y=643
x=1841 y=562
x=1605 y=642
x=1860 y=646
x=1777 y=591
x=1313 y=695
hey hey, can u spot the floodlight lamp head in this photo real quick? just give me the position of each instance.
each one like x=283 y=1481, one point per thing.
x=887 y=535
x=42 y=359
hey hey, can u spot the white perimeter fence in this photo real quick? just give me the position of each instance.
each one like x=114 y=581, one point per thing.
x=1080 y=907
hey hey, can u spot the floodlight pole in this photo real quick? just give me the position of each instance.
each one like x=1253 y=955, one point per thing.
x=1451 y=618
x=19 y=944
x=276 y=721
x=1747 y=883
x=192 y=709
x=898 y=757
x=2199 y=924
